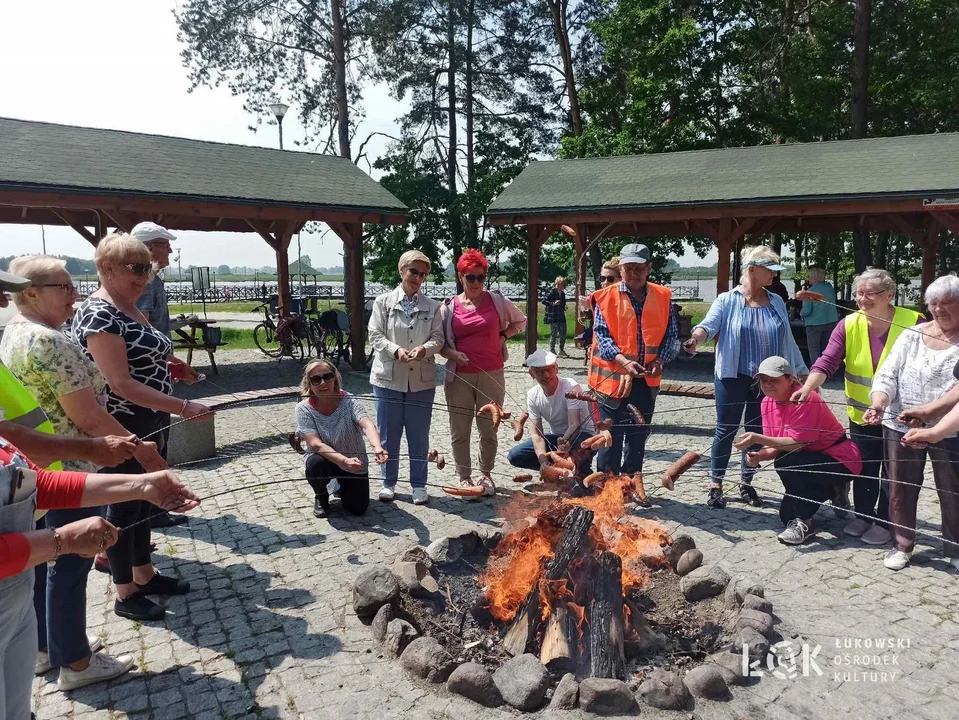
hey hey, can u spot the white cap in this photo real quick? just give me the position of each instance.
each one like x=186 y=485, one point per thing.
x=541 y=359
x=149 y=231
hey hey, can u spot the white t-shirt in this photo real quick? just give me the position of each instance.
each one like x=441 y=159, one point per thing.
x=555 y=409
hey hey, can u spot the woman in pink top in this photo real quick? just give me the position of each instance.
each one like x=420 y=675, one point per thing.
x=811 y=451
x=476 y=325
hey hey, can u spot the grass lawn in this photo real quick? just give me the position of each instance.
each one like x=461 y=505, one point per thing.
x=230 y=307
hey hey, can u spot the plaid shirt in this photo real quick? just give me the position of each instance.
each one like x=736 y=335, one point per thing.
x=608 y=349
x=555 y=313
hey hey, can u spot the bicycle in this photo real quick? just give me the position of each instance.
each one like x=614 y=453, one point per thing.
x=330 y=335
x=279 y=340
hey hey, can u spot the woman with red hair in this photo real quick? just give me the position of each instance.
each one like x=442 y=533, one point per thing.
x=476 y=325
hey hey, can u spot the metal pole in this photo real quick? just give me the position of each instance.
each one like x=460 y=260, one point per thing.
x=43 y=238
x=279 y=124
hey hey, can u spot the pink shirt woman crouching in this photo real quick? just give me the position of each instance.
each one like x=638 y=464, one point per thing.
x=812 y=423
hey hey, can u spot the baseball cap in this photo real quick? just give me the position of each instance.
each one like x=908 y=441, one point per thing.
x=13 y=283
x=541 y=359
x=768 y=264
x=149 y=231
x=634 y=253
x=775 y=366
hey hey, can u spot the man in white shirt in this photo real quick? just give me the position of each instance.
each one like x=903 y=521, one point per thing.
x=547 y=401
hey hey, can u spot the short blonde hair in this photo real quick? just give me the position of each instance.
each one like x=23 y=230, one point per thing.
x=757 y=253
x=36 y=268
x=412 y=256
x=559 y=279
x=612 y=264
x=305 y=383
x=120 y=249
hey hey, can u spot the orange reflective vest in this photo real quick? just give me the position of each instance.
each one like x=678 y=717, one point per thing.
x=604 y=375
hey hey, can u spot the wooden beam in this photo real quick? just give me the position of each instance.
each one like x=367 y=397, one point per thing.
x=930 y=253
x=723 y=245
x=537 y=234
x=121 y=220
x=917 y=234
x=742 y=228
x=283 y=238
x=260 y=229
x=579 y=241
x=948 y=221
x=352 y=236
x=707 y=228
x=77 y=225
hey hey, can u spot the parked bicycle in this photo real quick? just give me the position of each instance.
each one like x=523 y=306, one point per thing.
x=280 y=339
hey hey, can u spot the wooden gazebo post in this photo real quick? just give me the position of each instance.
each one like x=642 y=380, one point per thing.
x=352 y=235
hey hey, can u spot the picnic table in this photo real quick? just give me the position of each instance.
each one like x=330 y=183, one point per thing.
x=185 y=337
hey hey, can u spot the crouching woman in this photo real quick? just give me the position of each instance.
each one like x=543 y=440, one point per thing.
x=808 y=445
x=332 y=423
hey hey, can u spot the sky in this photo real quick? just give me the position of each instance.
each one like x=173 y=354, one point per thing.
x=116 y=64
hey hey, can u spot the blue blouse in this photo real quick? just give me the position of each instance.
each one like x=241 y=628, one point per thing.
x=757 y=337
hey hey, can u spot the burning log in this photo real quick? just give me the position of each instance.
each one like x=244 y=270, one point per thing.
x=674 y=471
x=523 y=629
x=607 y=633
x=559 y=641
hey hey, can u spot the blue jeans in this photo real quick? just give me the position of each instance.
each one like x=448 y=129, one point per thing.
x=524 y=456
x=60 y=598
x=735 y=397
x=626 y=432
x=411 y=411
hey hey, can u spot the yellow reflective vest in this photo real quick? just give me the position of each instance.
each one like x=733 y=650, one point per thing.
x=859 y=370
x=20 y=407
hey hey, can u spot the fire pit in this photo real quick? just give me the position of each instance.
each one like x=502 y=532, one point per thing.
x=576 y=599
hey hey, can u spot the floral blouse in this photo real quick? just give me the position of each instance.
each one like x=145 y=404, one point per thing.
x=50 y=365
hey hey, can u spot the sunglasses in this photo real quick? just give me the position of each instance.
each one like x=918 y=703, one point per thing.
x=66 y=288
x=139 y=268
x=416 y=273
x=472 y=279
x=324 y=378
x=607 y=278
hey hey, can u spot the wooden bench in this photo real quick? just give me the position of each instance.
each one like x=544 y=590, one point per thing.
x=190 y=346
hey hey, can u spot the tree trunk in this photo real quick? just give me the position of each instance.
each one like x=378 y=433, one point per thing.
x=471 y=219
x=882 y=248
x=456 y=220
x=607 y=633
x=557 y=9
x=339 y=78
x=860 y=107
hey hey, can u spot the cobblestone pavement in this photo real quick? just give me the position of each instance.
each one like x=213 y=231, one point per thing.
x=268 y=629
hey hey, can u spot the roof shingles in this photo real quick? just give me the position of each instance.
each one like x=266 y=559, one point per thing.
x=63 y=157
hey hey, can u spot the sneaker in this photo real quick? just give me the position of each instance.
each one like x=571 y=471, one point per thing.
x=138 y=607
x=715 y=498
x=489 y=487
x=102 y=667
x=167 y=520
x=43 y=665
x=333 y=487
x=856 y=527
x=954 y=562
x=420 y=497
x=318 y=510
x=876 y=535
x=748 y=493
x=797 y=532
x=896 y=559
x=387 y=494
x=164 y=585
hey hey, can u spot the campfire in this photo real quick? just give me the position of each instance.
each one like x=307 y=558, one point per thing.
x=559 y=587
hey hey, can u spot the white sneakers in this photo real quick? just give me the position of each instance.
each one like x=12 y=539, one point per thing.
x=896 y=559
x=388 y=494
x=43 y=665
x=102 y=667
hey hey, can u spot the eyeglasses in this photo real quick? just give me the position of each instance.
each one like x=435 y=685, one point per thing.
x=472 y=279
x=865 y=294
x=67 y=288
x=416 y=273
x=607 y=278
x=324 y=378
x=139 y=268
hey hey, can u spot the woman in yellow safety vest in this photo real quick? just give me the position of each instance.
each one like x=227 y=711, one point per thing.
x=862 y=341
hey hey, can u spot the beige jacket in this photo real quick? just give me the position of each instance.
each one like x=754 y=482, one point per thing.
x=389 y=331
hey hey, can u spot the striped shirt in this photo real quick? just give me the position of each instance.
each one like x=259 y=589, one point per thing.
x=608 y=349
x=757 y=337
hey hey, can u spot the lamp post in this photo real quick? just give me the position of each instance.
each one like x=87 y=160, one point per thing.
x=279 y=110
